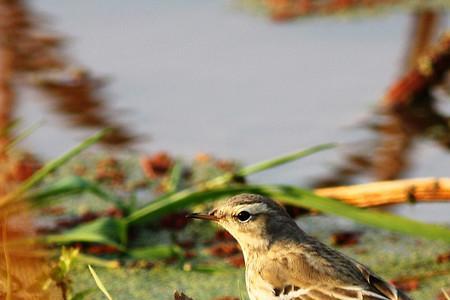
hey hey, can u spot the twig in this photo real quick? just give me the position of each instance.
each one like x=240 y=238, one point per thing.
x=429 y=71
x=424 y=28
x=391 y=192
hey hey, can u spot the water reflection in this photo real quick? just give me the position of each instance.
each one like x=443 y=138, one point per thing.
x=78 y=95
x=29 y=56
x=409 y=111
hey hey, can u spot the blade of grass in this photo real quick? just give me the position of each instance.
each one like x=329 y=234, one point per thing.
x=23 y=135
x=70 y=186
x=281 y=160
x=298 y=197
x=286 y=194
x=107 y=231
x=219 y=181
x=99 y=283
x=175 y=177
x=83 y=294
x=97 y=261
x=63 y=187
x=157 y=252
x=50 y=167
x=9 y=127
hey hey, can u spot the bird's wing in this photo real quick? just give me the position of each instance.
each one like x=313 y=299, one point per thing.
x=378 y=283
x=325 y=275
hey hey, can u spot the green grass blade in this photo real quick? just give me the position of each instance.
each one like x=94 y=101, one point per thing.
x=63 y=187
x=52 y=166
x=157 y=252
x=175 y=177
x=106 y=231
x=170 y=199
x=284 y=159
x=97 y=261
x=99 y=283
x=83 y=294
x=298 y=197
x=58 y=162
x=73 y=185
x=23 y=135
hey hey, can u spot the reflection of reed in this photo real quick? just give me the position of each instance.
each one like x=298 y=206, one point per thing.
x=6 y=71
x=408 y=112
x=26 y=54
x=408 y=109
x=424 y=30
x=285 y=10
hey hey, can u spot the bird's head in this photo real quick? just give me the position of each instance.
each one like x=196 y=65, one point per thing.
x=255 y=221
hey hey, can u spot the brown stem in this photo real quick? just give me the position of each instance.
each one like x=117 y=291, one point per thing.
x=391 y=192
x=6 y=70
x=424 y=29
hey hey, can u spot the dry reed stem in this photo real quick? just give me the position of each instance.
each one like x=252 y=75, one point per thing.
x=391 y=192
x=424 y=28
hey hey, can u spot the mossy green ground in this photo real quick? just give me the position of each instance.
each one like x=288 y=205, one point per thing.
x=390 y=255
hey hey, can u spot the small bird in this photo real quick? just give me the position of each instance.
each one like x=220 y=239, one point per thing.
x=282 y=262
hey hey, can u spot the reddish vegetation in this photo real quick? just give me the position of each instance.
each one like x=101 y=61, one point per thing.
x=295 y=211
x=113 y=212
x=345 y=238
x=226 y=165
x=101 y=249
x=237 y=260
x=186 y=244
x=16 y=169
x=443 y=258
x=53 y=210
x=407 y=285
x=189 y=254
x=109 y=170
x=180 y=296
x=223 y=235
x=141 y=264
x=224 y=245
x=174 y=221
x=22 y=169
x=156 y=165
x=224 y=249
x=70 y=222
x=202 y=157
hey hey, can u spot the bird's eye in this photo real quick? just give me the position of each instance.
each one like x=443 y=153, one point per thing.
x=244 y=216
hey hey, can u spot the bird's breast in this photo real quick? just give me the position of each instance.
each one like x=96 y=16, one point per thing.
x=260 y=289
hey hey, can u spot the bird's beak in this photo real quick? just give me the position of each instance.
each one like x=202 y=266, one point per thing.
x=208 y=217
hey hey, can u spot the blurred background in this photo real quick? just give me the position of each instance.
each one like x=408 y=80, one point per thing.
x=194 y=91
x=221 y=78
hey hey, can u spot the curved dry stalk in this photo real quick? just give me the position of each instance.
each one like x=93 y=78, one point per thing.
x=391 y=192
x=424 y=29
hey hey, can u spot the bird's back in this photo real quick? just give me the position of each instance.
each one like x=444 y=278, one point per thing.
x=312 y=270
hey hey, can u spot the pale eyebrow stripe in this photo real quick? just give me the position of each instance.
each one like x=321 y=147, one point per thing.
x=254 y=208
